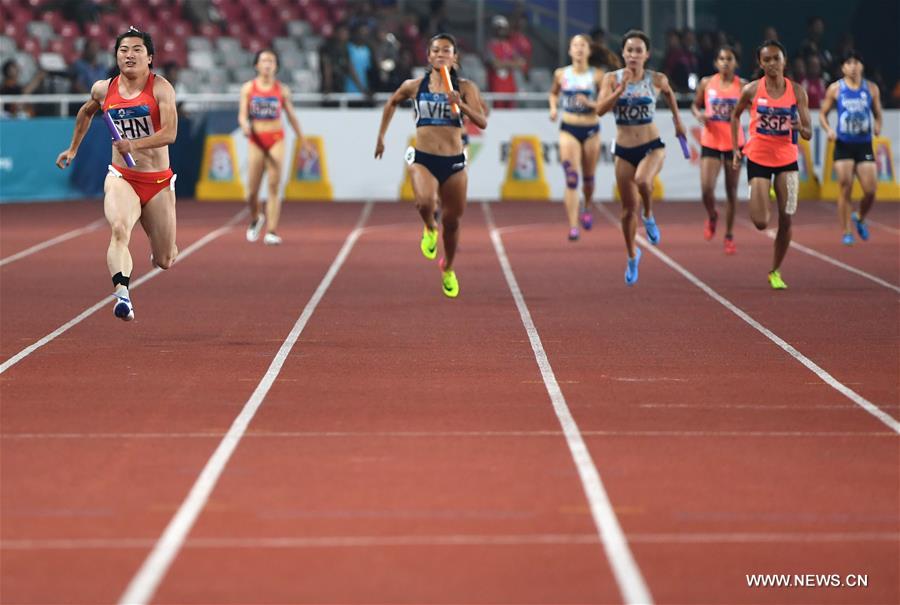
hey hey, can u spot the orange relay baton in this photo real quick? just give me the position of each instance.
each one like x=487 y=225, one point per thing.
x=446 y=75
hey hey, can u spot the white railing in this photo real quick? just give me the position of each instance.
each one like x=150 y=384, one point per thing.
x=203 y=101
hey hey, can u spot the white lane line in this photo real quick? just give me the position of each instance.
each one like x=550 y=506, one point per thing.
x=52 y=242
x=450 y=540
x=526 y=227
x=144 y=584
x=108 y=299
x=628 y=576
x=828 y=259
x=833 y=214
x=434 y=434
x=846 y=391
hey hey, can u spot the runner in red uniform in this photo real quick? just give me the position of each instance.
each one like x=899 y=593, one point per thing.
x=718 y=95
x=262 y=100
x=142 y=106
x=778 y=107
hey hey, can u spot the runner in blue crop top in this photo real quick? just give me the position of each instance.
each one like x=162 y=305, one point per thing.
x=437 y=164
x=859 y=119
x=631 y=94
x=574 y=95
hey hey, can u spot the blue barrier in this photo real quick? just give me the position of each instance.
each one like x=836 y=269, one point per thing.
x=28 y=150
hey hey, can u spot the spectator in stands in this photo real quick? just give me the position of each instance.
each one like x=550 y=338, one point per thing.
x=172 y=71
x=12 y=86
x=386 y=55
x=678 y=63
x=814 y=83
x=601 y=55
x=81 y=12
x=797 y=72
x=403 y=71
x=706 y=55
x=334 y=60
x=89 y=68
x=769 y=33
x=502 y=60
x=435 y=21
x=845 y=45
x=357 y=79
x=813 y=44
x=201 y=12
x=521 y=42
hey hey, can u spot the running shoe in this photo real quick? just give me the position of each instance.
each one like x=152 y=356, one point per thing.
x=573 y=234
x=776 y=282
x=631 y=270
x=255 y=227
x=272 y=240
x=861 y=227
x=652 y=229
x=448 y=281
x=587 y=220
x=429 y=243
x=730 y=248
x=847 y=240
x=123 y=308
x=709 y=227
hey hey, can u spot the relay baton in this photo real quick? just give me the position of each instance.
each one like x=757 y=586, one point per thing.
x=794 y=131
x=114 y=132
x=446 y=75
x=684 y=147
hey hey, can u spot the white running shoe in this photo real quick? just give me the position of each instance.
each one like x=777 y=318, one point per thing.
x=271 y=239
x=255 y=227
x=123 y=308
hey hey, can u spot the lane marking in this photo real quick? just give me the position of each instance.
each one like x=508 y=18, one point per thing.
x=846 y=391
x=108 y=300
x=52 y=242
x=828 y=259
x=452 y=540
x=454 y=434
x=145 y=582
x=628 y=576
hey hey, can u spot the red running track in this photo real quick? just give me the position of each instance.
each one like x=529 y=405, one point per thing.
x=408 y=450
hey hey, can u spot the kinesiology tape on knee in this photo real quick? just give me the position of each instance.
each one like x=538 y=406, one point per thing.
x=119 y=279
x=571 y=175
x=793 y=184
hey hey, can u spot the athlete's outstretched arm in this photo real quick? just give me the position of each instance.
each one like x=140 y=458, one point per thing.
x=805 y=120
x=609 y=93
x=168 y=121
x=876 y=108
x=406 y=91
x=662 y=83
x=747 y=94
x=244 y=110
x=700 y=101
x=83 y=121
x=468 y=99
x=553 y=97
x=292 y=116
x=825 y=109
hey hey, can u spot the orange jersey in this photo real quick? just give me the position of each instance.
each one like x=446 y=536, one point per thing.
x=135 y=118
x=718 y=106
x=770 y=127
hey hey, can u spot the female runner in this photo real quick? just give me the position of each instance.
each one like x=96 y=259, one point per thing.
x=259 y=116
x=579 y=131
x=631 y=93
x=778 y=108
x=437 y=165
x=718 y=95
